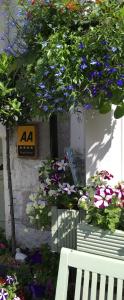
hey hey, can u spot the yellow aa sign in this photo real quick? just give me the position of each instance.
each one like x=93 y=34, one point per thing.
x=26 y=135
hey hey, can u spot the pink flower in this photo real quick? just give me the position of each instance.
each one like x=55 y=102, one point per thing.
x=105 y=175
x=103 y=197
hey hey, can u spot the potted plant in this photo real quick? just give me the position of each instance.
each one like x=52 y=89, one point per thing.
x=56 y=203
x=103 y=230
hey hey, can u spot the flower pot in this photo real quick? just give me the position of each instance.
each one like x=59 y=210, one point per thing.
x=64 y=225
x=102 y=242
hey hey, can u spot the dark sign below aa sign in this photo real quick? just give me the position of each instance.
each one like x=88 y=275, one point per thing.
x=27 y=141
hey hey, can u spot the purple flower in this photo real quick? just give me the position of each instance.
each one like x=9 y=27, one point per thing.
x=10 y=279
x=55 y=178
x=120 y=82
x=3 y=294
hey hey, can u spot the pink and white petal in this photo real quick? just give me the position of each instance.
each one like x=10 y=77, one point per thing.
x=97 y=198
x=105 y=203
x=98 y=203
x=108 y=198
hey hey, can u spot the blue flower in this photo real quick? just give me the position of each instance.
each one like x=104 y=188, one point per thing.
x=47 y=95
x=52 y=67
x=58 y=74
x=53 y=90
x=106 y=56
x=69 y=87
x=38 y=94
x=104 y=42
x=46 y=73
x=84 y=60
x=87 y=106
x=66 y=94
x=60 y=109
x=83 y=66
x=62 y=69
x=112 y=70
x=81 y=45
x=114 y=49
x=45 y=108
x=94 y=91
x=42 y=85
x=120 y=82
x=95 y=62
x=59 y=46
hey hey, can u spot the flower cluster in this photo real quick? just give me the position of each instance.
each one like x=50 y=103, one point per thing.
x=8 y=289
x=77 y=62
x=104 y=204
x=56 y=189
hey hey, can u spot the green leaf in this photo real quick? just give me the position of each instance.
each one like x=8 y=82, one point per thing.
x=105 y=108
x=119 y=111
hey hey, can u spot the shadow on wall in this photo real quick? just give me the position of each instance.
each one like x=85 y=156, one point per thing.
x=99 y=135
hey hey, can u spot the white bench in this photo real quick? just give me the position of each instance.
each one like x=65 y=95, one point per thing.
x=97 y=277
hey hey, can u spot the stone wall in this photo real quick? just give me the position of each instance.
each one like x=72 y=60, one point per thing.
x=24 y=173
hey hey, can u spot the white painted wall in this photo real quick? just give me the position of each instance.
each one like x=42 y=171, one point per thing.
x=104 y=144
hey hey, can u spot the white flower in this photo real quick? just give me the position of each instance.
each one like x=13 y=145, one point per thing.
x=52 y=193
x=48 y=181
x=83 y=199
x=69 y=189
x=33 y=196
x=61 y=187
x=61 y=165
x=29 y=207
x=42 y=202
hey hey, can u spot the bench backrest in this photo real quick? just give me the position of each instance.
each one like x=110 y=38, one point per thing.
x=97 y=277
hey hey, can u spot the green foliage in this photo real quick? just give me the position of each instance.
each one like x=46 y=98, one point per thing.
x=13 y=108
x=71 y=59
x=103 y=203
